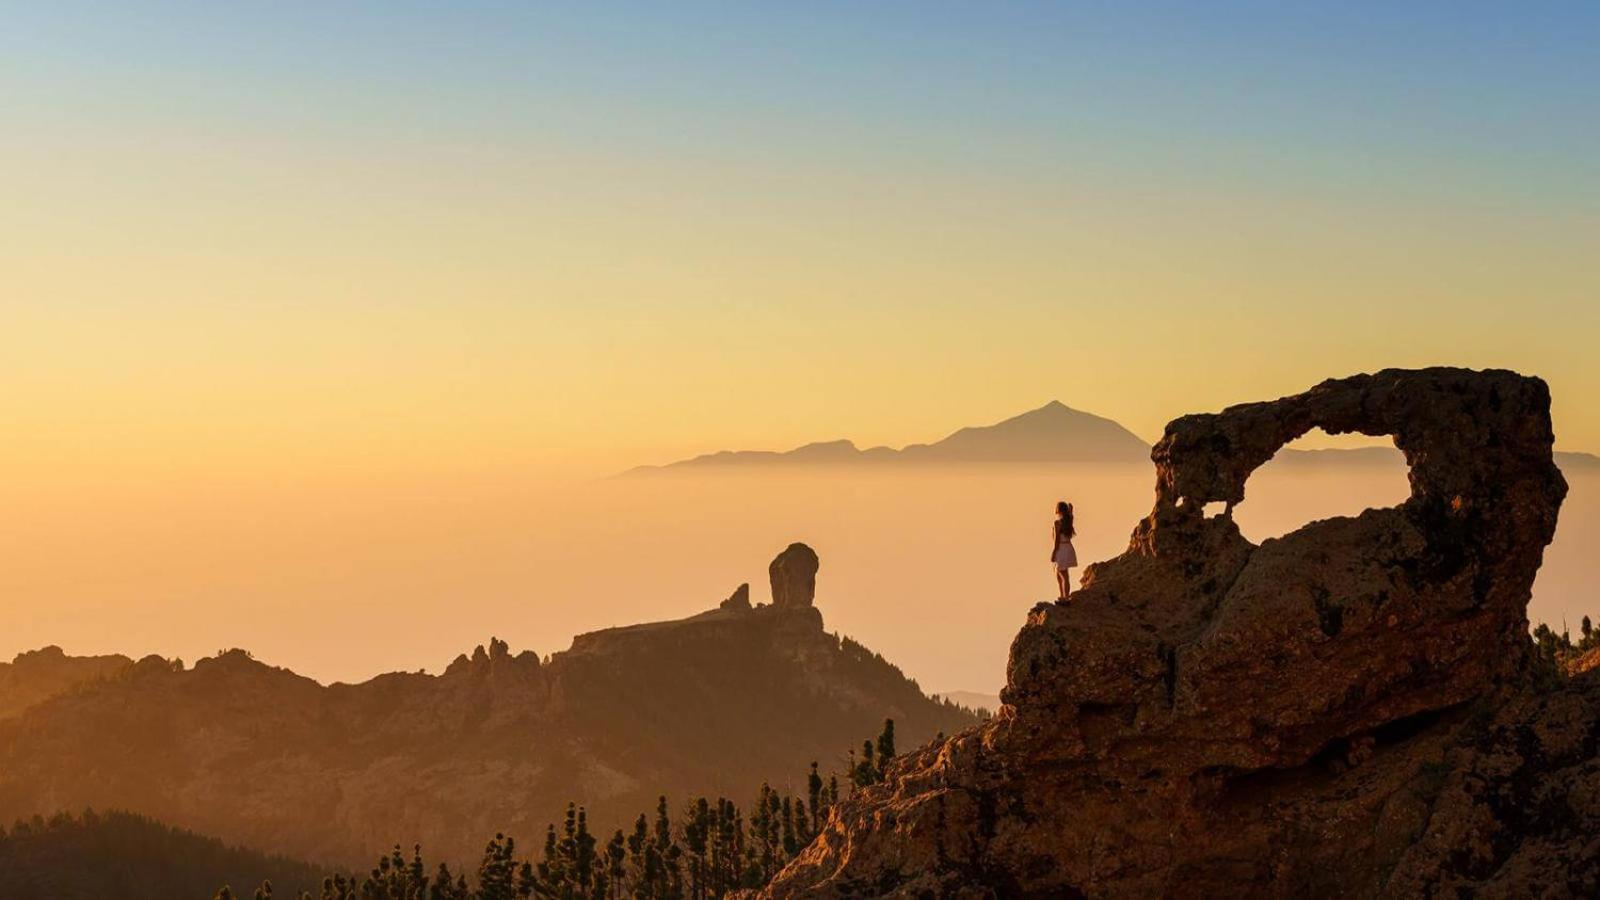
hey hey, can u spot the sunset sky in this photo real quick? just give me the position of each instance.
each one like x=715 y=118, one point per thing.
x=252 y=236
x=274 y=250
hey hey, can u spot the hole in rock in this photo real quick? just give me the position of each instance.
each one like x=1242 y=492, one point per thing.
x=1214 y=508
x=1321 y=476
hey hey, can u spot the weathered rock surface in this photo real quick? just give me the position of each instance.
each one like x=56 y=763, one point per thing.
x=1588 y=662
x=738 y=601
x=713 y=704
x=794 y=577
x=1341 y=711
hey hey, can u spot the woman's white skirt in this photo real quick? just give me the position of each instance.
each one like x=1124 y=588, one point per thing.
x=1065 y=557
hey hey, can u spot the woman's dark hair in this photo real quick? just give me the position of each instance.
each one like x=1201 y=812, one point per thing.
x=1064 y=510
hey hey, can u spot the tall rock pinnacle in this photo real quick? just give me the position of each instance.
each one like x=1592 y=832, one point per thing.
x=794 y=577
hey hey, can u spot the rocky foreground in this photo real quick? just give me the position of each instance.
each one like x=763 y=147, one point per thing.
x=717 y=703
x=1350 y=710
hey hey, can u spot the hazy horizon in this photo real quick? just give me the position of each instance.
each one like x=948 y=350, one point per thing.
x=959 y=550
x=322 y=327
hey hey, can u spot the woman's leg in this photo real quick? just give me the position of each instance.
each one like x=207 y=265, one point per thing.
x=1061 y=583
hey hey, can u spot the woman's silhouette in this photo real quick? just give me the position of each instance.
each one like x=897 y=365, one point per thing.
x=1062 y=553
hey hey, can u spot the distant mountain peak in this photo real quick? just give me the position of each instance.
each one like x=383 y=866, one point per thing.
x=1052 y=433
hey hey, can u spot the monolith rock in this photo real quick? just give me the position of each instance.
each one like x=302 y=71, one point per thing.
x=794 y=577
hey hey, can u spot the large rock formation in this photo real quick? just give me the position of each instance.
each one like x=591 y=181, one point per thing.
x=717 y=703
x=794 y=577
x=1340 y=711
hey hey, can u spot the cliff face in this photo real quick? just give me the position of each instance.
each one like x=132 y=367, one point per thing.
x=1340 y=711
x=716 y=703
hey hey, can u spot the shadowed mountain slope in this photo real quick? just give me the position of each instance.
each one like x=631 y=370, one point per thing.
x=716 y=703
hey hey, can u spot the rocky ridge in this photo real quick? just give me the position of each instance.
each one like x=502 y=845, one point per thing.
x=257 y=755
x=1344 y=711
x=38 y=675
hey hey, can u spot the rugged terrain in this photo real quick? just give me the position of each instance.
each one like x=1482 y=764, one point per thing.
x=716 y=703
x=1350 y=710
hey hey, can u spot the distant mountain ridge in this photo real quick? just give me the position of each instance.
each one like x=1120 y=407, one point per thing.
x=1053 y=433
x=257 y=755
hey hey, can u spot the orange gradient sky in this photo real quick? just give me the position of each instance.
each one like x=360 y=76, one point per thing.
x=268 y=260
x=421 y=238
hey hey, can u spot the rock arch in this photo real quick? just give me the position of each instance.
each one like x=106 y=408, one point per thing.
x=1259 y=656
x=1165 y=732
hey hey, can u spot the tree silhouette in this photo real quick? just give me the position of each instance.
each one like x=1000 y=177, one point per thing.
x=711 y=850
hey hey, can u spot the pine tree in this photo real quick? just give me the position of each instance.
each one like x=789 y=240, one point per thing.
x=584 y=853
x=446 y=889
x=527 y=880
x=814 y=791
x=697 y=840
x=637 y=858
x=616 y=859
x=497 y=871
x=885 y=747
x=802 y=823
x=865 y=771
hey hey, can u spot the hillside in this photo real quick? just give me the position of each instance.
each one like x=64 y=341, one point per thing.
x=716 y=703
x=92 y=855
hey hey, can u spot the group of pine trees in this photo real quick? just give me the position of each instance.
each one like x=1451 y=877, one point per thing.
x=118 y=854
x=711 y=848
x=1556 y=651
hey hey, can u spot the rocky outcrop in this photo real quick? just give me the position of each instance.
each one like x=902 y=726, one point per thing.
x=497 y=657
x=1588 y=662
x=716 y=703
x=738 y=601
x=794 y=577
x=38 y=675
x=1342 y=711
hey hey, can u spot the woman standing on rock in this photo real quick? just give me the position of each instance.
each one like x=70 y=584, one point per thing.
x=1061 y=551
